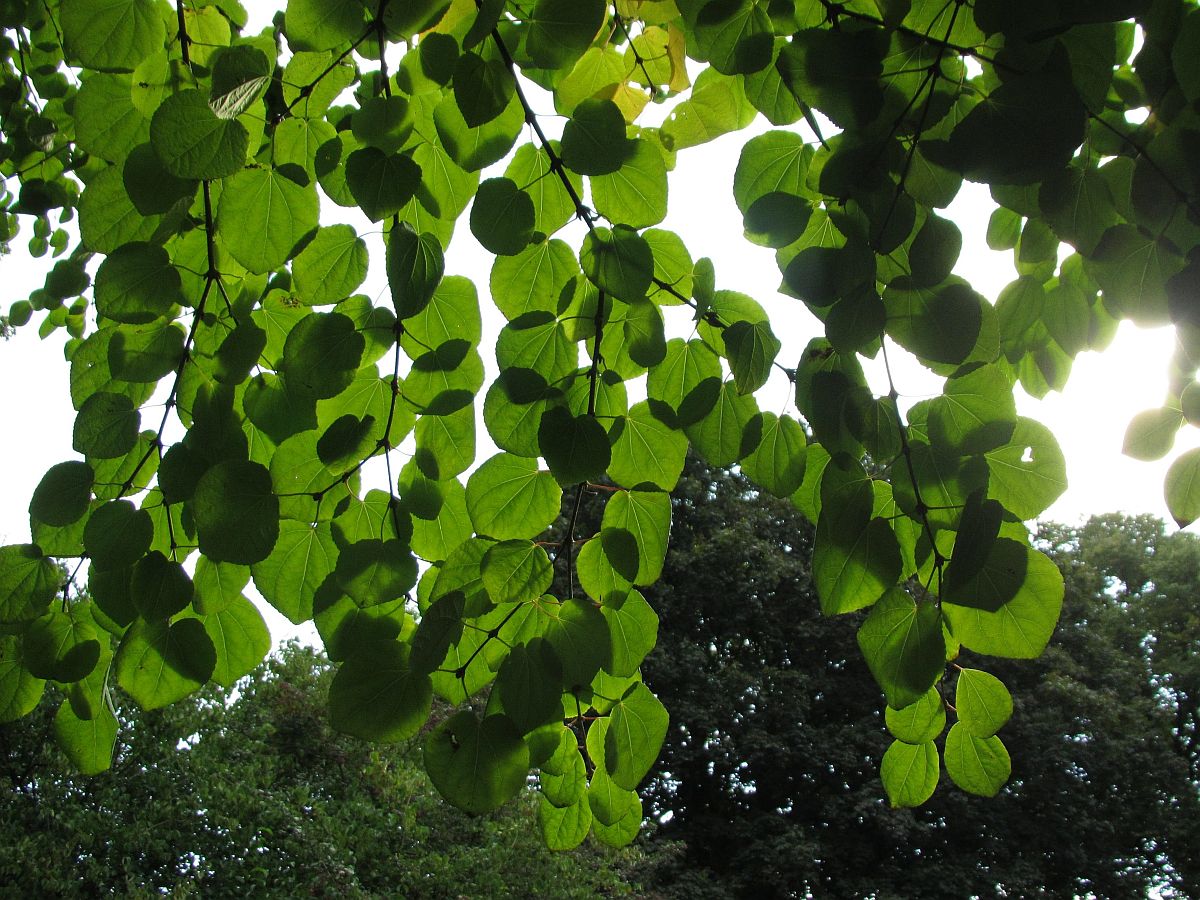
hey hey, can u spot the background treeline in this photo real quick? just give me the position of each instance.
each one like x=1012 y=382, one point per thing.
x=767 y=787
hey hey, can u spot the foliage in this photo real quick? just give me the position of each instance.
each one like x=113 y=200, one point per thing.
x=297 y=809
x=768 y=782
x=214 y=280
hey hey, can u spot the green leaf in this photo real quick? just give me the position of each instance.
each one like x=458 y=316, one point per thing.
x=145 y=354
x=646 y=516
x=471 y=149
x=502 y=217
x=440 y=627
x=322 y=354
x=63 y=495
x=87 y=743
x=940 y=325
x=331 y=267
x=446 y=444
x=580 y=636
x=193 y=142
x=716 y=106
x=381 y=183
x=594 y=140
x=633 y=627
x=529 y=686
x=645 y=450
x=509 y=497
x=994 y=577
x=263 y=215
x=560 y=30
x=217 y=585
x=624 y=830
x=637 y=728
x=323 y=24
x=601 y=577
x=372 y=572
x=552 y=202
x=619 y=262
x=442 y=525
x=117 y=535
x=982 y=702
x=408 y=19
x=1028 y=473
x=976 y=412
x=113 y=35
x=136 y=284
x=240 y=77
x=688 y=380
x=106 y=426
x=236 y=512
x=304 y=555
x=477 y=765
x=564 y=828
x=773 y=163
x=159 y=663
x=751 y=348
x=160 y=587
x=61 y=646
x=482 y=88
x=20 y=692
x=516 y=572
x=934 y=252
x=635 y=194
x=730 y=430
x=855 y=559
x=1182 y=488
x=910 y=773
x=977 y=765
x=576 y=448
x=919 y=722
x=107 y=124
x=837 y=71
x=240 y=639
x=1025 y=130
x=778 y=462
x=415 y=266
x=904 y=647
x=376 y=695
x=1021 y=626
x=735 y=35
x=1151 y=433
x=777 y=219
x=1132 y=268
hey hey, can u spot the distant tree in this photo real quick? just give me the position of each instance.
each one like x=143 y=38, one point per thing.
x=251 y=794
x=769 y=784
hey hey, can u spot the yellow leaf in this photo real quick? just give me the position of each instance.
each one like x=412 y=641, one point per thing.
x=630 y=100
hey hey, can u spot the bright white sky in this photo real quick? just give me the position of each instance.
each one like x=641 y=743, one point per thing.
x=1089 y=419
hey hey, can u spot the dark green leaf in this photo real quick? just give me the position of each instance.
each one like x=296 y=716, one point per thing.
x=236 y=512
x=376 y=695
x=477 y=765
x=63 y=494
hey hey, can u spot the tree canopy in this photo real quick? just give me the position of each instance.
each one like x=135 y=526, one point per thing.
x=213 y=198
x=297 y=809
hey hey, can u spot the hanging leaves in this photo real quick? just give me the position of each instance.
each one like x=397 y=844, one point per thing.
x=235 y=396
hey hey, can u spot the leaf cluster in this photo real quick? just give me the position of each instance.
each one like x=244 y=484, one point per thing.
x=236 y=394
